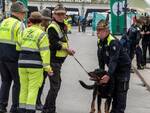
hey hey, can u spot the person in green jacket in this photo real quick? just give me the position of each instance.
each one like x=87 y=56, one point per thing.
x=34 y=58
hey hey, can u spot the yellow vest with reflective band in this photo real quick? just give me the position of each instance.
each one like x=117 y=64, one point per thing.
x=9 y=31
x=109 y=39
x=60 y=53
x=34 y=40
x=66 y=21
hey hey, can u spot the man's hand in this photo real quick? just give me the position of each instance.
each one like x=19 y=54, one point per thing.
x=104 y=79
x=137 y=45
x=70 y=51
x=50 y=72
x=142 y=33
x=147 y=32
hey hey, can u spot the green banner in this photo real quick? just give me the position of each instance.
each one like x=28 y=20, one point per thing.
x=117 y=16
x=24 y=1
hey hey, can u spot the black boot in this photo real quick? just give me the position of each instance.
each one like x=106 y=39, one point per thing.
x=140 y=67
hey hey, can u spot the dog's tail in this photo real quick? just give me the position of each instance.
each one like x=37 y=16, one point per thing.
x=86 y=86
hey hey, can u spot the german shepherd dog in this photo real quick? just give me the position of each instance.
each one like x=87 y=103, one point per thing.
x=100 y=91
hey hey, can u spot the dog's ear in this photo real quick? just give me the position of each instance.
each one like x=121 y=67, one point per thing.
x=105 y=73
x=92 y=74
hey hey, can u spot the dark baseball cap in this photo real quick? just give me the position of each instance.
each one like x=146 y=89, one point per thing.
x=18 y=7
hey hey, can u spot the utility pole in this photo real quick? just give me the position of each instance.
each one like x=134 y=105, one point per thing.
x=118 y=18
x=3 y=5
x=125 y=16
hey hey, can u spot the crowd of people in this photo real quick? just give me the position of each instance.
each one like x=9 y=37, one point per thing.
x=32 y=54
x=29 y=55
x=137 y=41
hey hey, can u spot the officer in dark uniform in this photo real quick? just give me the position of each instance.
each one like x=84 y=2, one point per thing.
x=112 y=54
x=145 y=39
x=134 y=37
x=125 y=42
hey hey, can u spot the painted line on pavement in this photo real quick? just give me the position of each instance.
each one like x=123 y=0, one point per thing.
x=142 y=79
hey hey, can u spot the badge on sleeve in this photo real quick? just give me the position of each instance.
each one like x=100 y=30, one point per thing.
x=114 y=48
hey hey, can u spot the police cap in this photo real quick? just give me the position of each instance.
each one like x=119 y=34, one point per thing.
x=18 y=7
x=102 y=24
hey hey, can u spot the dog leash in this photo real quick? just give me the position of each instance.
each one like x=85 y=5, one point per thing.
x=80 y=64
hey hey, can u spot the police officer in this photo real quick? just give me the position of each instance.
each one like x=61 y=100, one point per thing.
x=10 y=29
x=57 y=33
x=34 y=59
x=111 y=53
x=134 y=37
x=125 y=42
x=145 y=39
x=46 y=13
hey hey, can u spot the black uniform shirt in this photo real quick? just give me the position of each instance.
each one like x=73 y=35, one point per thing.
x=114 y=56
x=54 y=39
x=146 y=28
x=134 y=34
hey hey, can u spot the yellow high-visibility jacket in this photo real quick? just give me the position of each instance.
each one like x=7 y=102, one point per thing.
x=34 y=48
x=10 y=29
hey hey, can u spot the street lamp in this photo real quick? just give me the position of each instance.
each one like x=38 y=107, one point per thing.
x=83 y=8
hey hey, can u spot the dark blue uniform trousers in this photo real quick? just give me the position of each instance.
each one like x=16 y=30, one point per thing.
x=120 y=92
x=9 y=73
x=139 y=56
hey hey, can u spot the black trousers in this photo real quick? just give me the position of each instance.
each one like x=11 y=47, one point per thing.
x=132 y=51
x=119 y=102
x=9 y=73
x=136 y=50
x=145 y=45
x=120 y=92
x=55 y=83
x=139 y=58
x=38 y=102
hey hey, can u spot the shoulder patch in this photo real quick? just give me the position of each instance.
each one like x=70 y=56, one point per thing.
x=114 y=48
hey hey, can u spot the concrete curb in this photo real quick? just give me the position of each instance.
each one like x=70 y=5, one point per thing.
x=142 y=78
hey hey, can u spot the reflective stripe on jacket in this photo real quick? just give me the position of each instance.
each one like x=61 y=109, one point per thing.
x=109 y=39
x=9 y=32
x=34 y=46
